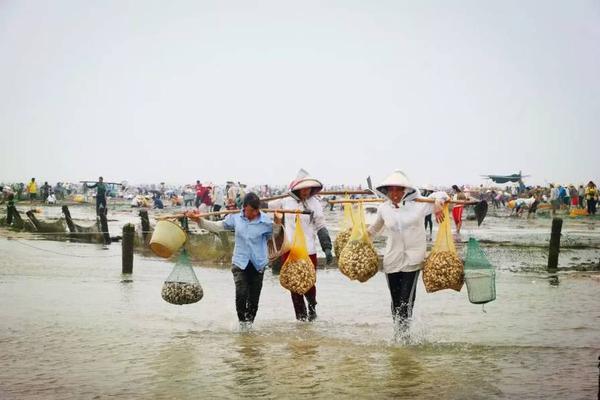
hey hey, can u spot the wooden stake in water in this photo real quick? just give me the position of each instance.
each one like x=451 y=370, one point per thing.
x=69 y=220
x=104 y=227
x=127 y=248
x=145 y=224
x=554 y=244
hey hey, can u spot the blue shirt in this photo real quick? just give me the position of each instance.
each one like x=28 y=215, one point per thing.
x=250 y=239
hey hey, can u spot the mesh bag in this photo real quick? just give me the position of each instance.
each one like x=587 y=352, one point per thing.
x=443 y=269
x=480 y=275
x=345 y=230
x=358 y=260
x=182 y=285
x=298 y=273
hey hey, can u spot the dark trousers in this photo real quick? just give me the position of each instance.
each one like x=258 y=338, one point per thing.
x=429 y=222
x=101 y=205
x=311 y=295
x=591 y=205
x=403 y=288
x=248 y=284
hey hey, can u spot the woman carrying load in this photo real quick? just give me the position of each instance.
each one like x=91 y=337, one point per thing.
x=302 y=193
x=401 y=218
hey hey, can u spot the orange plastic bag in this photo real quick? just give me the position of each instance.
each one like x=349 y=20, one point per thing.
x=443 y=269
x=298 y=273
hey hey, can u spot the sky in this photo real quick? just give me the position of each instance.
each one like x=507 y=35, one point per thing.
x=251 y=91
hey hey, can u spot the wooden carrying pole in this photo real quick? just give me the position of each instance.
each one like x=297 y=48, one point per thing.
x=418 y=200
x=322 y=193
x=208 y=214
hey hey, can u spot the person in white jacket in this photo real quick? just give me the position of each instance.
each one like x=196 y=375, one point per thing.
x=302 y=193
x=401 y=218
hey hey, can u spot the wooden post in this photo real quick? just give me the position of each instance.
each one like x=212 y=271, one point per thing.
x=68 y=219
x=17 y=221
x=104 y=227
x=9 y=215
x=127 y=248
x=554 y=244
x=145 y=224
x=33 y=219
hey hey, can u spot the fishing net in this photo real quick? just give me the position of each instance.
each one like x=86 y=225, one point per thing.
x=182 y=285
x=345 y=230
x=443 y=269
x=480 y=275
x=298 y=273
x=358 y=260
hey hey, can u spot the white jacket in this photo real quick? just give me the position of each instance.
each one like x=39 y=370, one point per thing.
x=405 y=232
x=311 y=224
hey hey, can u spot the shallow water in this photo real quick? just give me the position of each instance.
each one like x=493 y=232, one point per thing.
x=71 y=326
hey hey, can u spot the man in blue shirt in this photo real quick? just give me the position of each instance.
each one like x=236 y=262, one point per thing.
x=252 y=230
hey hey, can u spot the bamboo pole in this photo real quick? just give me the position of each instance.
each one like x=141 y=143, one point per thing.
x=418 y=200
x=225 y=212
x=322 y=193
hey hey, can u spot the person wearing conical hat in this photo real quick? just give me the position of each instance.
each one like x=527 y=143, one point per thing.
x=401 y=220
x=302 y=191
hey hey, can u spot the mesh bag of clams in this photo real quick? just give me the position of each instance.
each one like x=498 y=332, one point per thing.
x=345 y=231
x=298 y=273
x=182 y=285
x=443 y=268
x=358 y=260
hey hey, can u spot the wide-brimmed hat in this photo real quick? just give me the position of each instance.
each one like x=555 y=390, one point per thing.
x=398 y=179
x=304 y=180
x=306 y=183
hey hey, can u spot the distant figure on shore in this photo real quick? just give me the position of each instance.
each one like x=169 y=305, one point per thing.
x=158 y=203
x=554 y=198
x=45 y=191
x=32 y=190
x=591 y=197
x=458 y=209
x=581 y=193
x=100 y=196
x=428 y=221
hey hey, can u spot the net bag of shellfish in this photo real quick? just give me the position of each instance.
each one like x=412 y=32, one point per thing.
x=359 y=260
x=182 y=285
x=480 y=275
x=443 y=268
x=345 y=231
x=298 y=273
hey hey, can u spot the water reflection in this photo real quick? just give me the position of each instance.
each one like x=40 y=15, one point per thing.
x=248 y=366
x=174 y=368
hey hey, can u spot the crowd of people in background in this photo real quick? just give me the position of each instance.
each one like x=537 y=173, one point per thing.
x=207 y=196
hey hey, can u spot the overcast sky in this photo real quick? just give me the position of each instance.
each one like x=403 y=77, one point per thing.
x=150 y=91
